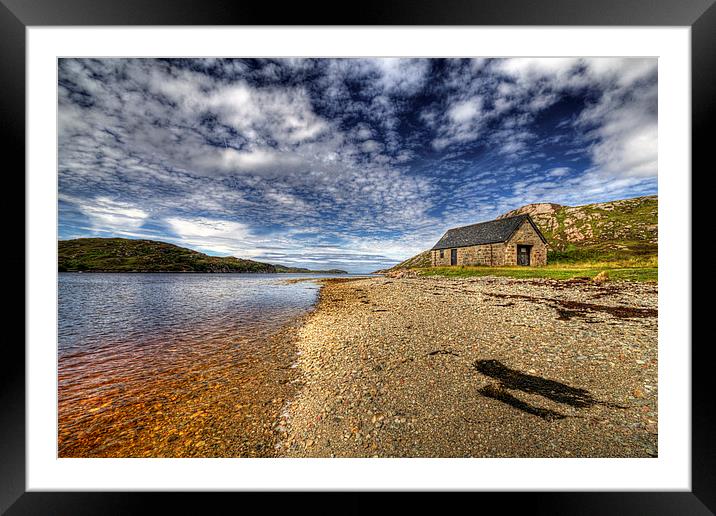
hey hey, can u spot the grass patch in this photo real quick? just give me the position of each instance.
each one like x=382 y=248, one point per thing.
x=557 y=271
x=627 y=254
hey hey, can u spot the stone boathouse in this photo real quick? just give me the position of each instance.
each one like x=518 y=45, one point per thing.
x=509 y=241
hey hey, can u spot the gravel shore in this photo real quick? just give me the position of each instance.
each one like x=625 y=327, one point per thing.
x=478 y=367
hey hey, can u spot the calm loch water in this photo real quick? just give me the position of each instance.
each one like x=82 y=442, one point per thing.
x=174 y=364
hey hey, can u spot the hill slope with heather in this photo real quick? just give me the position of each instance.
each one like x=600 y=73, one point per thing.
x=128 y=255
x=419 y=260
x=610 y=231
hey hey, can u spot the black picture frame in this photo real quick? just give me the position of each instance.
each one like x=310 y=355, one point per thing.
x=17 y=15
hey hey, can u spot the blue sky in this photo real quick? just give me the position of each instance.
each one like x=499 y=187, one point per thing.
x=349 y=163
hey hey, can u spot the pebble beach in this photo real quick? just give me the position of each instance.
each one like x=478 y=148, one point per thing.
x=474 y=367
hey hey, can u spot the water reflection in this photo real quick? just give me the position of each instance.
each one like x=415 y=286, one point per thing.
x=173 y=364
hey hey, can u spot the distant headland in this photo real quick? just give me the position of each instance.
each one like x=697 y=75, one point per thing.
x=129 y=255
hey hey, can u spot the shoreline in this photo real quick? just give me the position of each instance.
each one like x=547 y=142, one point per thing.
x=209 y=393
x=285 y=339
x=478 y=367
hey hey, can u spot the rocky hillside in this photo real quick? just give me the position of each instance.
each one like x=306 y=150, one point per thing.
x=626 y=226
x=419 y=260
x=615 y=230
x=127 y=255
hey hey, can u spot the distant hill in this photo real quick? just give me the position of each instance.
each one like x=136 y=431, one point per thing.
x=128 y=255
x=419 y=260
x=294 y=270
x=608 y=231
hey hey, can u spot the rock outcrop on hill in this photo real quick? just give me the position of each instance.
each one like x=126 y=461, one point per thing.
x=625 y=224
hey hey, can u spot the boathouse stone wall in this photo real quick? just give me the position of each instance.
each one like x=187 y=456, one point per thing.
x=486 y=254
x=503 y=253
x=526 y=235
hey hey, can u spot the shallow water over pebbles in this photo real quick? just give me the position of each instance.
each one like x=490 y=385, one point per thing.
x=174 y=364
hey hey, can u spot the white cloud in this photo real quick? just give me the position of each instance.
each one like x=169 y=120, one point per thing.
x=558 y=172
x=623 y=72
x=404 y=76
x=534 y=68
x=216 y=235
x=371 y=146
x=203 y=227
x=104 y=212
x=465 y=111
x=625 y=128
x=256 y=160
x=289 y=201
x=462 y=122
x=364 y=132
x=571 y=73
x=284 y=114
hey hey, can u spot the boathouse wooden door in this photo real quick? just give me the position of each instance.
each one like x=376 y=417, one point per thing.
x=523 y=255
